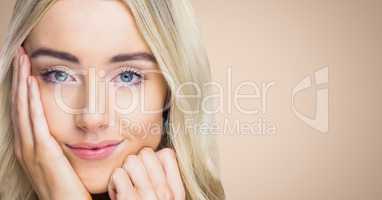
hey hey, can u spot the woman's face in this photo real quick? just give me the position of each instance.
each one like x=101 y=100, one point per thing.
x=99 y=82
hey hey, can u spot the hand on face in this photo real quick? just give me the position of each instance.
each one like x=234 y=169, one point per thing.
x=39 y=154
x=148 y=175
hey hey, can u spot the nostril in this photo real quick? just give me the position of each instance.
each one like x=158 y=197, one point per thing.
x=91 y=123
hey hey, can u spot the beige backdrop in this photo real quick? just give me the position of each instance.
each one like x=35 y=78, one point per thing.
x=273 y=45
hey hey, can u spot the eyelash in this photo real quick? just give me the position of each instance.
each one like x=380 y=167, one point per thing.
x=47 y=73
x=136 y=73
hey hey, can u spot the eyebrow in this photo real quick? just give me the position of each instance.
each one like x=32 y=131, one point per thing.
x=43 y=51
x=54 y=53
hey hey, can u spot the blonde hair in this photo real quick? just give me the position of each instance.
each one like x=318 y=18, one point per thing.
x=169 y=29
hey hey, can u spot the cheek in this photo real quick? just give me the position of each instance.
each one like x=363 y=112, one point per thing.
x=144 y=131
x=148 y=97
x=143 y=121
x=57 y=112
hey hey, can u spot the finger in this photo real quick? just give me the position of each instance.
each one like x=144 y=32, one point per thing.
x=120 y=186
x=48 y=152
x=111 y=190
x=22 y=110
x=156 y=173
x=42 y=138
x=14 y=88
x=13 y=103
x=167 y=157
x=139 y=177
x=16 y=67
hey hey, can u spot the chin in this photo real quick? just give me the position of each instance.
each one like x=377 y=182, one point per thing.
x=95 y=174
x=95 y=177
x=96 y=183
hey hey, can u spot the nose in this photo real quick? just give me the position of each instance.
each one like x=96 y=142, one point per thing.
x=92 y=122
x=94 y=117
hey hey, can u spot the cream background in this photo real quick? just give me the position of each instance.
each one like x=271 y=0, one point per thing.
x=283 y=41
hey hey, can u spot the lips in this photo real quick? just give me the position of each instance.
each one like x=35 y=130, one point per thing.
x=94 y=151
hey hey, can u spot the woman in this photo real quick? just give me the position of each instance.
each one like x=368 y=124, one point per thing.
x=96 y=103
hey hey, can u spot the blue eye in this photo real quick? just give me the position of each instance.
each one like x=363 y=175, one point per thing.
x=126 y=76
x=129 y=77
x=57 y=76
x=61 y=76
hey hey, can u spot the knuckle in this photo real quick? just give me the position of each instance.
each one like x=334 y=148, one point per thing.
x=117 y=173
x=16 y=108
x=130 y=162
x=20 y=108
x=18 y=153
x=40 y=153
x=17 y=97
x=13 y=121
x=38 y=159
x=21 y=95
x=14 y=61
x=13 y=101
x=26 y=150
x=24 y=158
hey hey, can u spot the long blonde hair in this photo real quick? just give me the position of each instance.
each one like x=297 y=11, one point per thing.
x=169 y=28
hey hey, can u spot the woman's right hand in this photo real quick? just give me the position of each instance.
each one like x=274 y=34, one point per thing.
x=41 y=157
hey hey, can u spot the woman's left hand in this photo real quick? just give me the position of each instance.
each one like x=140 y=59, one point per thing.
x=148 y=175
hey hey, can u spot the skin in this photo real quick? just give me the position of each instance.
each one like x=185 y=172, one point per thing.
x=137 y=169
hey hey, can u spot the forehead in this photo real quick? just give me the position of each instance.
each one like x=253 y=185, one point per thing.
x=93 y=29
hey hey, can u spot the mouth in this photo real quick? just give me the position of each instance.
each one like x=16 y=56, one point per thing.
x=92 y=151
